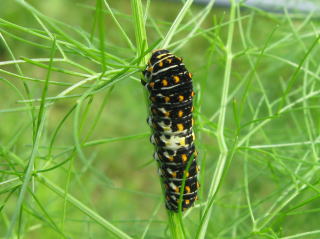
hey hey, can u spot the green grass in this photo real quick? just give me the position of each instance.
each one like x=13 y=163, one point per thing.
x=75 y=156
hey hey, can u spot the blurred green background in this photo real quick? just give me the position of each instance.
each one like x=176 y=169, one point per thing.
x=119 y=180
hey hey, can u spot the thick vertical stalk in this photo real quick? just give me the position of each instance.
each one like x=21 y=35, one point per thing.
x=176 y=226
x=175 y=222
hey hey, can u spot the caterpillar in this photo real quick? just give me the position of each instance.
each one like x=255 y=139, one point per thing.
x=171 y=96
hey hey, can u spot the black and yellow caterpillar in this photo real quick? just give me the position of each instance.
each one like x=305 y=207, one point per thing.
x=171 y=96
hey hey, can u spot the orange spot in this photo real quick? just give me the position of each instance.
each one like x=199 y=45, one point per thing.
x=181 y=98
x=174 y=174
x=177 y=189
x=180 y=127
x=151 y=84
x=184 y=157
x=150 y=69
x=164 y=82
x=180 y=113
x=192 y=93
x=190 y=75
x=188 y=190
x=187 y=202
x=176 y=79
x=161 y=64
x=166 y=114
x=167 y=99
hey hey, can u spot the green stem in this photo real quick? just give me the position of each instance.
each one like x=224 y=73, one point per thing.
x=175 y=225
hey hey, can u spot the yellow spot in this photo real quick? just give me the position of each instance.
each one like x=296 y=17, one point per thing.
x=169 y=60
x=197 y=198
x=192 y=108
x=192 y=121
x=187 y=174
x=188 y=190
x=193 y=136
x=195 y=153
x=170 y=158
x=150 y=69
x=176 y=79
x=187 y=202
x=166 y=114
x=179 y=58
x=198 y=185
x=180 y=113
x=184 y=157
x=181 y=98
x=164 y=82
x=190 y=75
x=183 y=142
x=192 y=94
x=167 y=99
x=174 y=174
x=151 y=84
x=198 y=169
x=180 y=127
x=161 y=64
x=177 y=189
